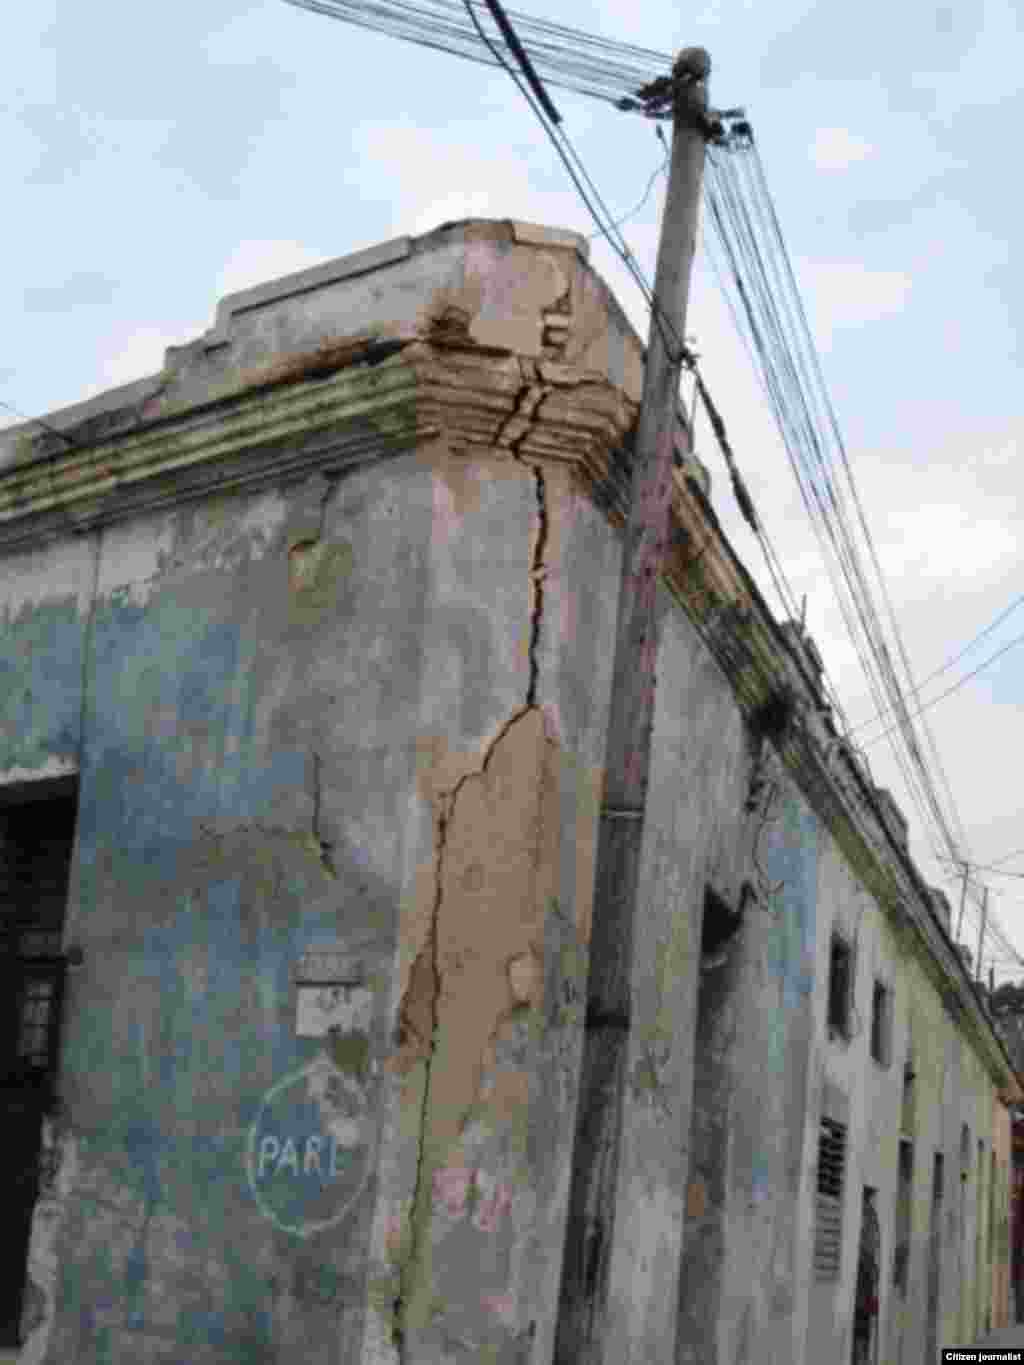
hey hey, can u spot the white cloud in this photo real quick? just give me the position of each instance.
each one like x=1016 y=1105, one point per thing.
x=135 y=353
x=256 y=261
x=844 y=294
x=836 y=149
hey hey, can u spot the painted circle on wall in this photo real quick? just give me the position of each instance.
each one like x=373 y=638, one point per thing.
x=310 y=1148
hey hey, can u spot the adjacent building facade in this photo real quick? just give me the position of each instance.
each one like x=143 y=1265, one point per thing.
x=305 y=661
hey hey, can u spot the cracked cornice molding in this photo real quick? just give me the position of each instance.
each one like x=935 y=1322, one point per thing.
x=279 y=424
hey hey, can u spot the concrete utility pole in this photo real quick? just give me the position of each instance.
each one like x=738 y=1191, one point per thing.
x=589 y=1240
x=981 y=930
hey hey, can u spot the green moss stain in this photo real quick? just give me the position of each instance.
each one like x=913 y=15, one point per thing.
x=318 y=574
x=351 y=1053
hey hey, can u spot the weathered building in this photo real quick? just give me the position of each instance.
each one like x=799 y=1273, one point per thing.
x=305 y=660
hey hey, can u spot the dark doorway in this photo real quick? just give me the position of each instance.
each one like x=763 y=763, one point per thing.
x=37 y=825
x=935 y=1257
x=865 y=1304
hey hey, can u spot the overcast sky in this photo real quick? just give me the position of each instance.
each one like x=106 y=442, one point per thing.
x=159 y=157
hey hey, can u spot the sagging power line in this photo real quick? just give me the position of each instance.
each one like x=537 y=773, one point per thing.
x=564 y=57
x=741 y=208
x=757 y=277
x=944 y=668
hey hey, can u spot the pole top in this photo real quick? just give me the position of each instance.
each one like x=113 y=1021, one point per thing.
x=692 y=65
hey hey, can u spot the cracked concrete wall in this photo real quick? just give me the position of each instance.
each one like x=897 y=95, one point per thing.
x=467 y=1245
x=362 y=716
x=739 y=1290
x=327 y=714
x=202 y=873
x=692 y=833
x=340 y=746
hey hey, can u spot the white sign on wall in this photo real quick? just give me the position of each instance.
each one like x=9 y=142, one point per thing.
x=322 y=1008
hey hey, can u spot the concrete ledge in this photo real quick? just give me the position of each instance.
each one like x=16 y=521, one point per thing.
x=455 y=263
x=303 y=282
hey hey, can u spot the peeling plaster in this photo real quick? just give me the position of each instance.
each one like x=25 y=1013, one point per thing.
x=479 y=965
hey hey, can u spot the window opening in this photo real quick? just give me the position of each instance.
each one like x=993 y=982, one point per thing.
x=865 y=1302
x=829 y=1206
x=881 y=1023
x=839 y=983
x=901 y=1222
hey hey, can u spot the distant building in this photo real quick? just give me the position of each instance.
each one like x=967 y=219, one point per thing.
x=305 y=667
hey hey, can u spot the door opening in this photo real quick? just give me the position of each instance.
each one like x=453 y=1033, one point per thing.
x=37 y=825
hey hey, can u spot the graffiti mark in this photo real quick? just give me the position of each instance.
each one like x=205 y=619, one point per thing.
x=458 y=1190
x=310 y=1148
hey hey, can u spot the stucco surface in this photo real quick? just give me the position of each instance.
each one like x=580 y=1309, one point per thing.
x=322 y=618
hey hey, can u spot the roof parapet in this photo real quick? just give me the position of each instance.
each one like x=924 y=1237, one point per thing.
x=896 y=821
x=941 y=905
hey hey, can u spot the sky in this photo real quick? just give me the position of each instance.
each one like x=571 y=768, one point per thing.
x=155 y=160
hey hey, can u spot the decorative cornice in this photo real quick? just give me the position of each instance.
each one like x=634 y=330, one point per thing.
x=349 y=401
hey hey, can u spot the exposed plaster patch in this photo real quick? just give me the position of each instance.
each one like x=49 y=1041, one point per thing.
x=479 y=965
x=42 y=1257
x=332 y=353
x=215 y=534
x=134 y=557
x=526 y=978
x=53 y=573
x=512 y=288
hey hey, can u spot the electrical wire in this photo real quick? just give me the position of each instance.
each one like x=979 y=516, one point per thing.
x=765 y=301
x=559 y=139
x=742 y=211
x=599 y=67
x=944 y=668
x=658 y=170
x=1017 y=639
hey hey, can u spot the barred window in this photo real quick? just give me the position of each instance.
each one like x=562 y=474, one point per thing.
x=829 y=1206
x=37 y=1019
x=36 y=838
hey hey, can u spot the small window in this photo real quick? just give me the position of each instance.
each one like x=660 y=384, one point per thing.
x=901 y=1222
x=828 y=1228
x=881 y=1023
x=907 y=1115
x=839 y=981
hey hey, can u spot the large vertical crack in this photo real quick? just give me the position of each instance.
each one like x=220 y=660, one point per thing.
x=538 y=572
x=324 y=847
x=511 y=435
x=418 y=1215
x=425 y=977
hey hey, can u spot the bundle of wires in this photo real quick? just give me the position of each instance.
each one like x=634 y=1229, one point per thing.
x=749 y=257
x=561 y=56
x=747 y=249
